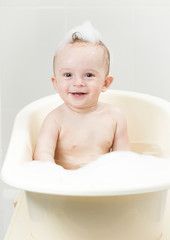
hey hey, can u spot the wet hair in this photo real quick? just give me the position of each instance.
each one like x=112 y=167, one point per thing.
x=76 y=36
x=78 y=39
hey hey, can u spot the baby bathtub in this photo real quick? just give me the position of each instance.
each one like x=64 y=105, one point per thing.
x=69 y=214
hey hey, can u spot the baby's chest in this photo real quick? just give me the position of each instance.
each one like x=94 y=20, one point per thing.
x=87 y=136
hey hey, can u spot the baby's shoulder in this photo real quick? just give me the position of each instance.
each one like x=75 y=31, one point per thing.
x=112 y=109
x=54 y=115
x=114 y=112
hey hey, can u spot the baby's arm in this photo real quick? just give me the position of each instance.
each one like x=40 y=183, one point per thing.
x=46 y=144
x=121 y=140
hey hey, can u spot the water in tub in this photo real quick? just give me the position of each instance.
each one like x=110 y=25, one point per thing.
x=147 y=149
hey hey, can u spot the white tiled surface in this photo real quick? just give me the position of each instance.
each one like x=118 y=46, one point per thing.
x=153 y=50
x=136 y=31
x=82 y=3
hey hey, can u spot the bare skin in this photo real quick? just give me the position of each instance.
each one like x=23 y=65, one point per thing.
x=81 y=129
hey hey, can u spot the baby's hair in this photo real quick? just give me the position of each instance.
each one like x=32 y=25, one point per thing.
x=78 y=39
x=76 y=36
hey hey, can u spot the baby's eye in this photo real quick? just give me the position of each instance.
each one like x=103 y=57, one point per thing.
x=89 y=75
x=67 y=74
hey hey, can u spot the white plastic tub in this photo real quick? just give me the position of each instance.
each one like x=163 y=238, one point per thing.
x=124 y=212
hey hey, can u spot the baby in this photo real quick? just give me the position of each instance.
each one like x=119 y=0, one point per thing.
x=81 y=129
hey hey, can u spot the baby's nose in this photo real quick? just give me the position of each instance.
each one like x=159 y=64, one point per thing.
x=78 y=81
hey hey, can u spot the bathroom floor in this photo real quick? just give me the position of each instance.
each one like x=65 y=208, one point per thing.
x=19 y=227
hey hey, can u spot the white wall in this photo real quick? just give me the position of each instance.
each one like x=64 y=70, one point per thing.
x=137 y=33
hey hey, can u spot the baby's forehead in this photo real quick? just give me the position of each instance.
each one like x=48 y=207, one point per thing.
x=77 y=45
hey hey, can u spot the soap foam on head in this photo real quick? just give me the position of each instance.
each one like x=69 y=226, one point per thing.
x=85 y=32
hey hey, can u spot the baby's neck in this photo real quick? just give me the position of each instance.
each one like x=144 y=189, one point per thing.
x=82 y=111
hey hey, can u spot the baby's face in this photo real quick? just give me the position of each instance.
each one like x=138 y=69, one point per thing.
x=80 y=74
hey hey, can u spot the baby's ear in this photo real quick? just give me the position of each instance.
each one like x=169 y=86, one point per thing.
x=54 y=82
x=108 y=81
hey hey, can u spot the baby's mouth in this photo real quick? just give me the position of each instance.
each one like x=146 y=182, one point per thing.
x=78 y=93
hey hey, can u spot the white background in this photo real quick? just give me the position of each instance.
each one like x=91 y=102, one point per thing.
x=137 y=33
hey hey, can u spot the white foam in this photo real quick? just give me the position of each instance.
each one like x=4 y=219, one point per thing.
x=116 y=171
x=84 y=32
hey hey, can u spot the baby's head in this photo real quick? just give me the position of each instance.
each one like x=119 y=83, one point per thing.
x=81 y=68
